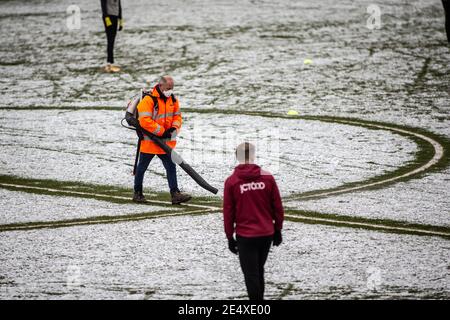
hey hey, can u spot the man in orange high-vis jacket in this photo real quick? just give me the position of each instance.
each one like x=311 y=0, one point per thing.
x=161 y=116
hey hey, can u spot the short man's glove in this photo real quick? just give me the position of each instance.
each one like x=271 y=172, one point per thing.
x=277 y=238
x=232 y=245
x=108 y=22
x=168 y=133
x=120 y=24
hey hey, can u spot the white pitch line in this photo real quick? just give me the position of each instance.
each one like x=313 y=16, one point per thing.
x=438 y=154
x=377 y=226
x=99 y=195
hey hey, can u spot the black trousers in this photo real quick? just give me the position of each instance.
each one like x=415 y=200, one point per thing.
x=446 y=4
x=111 y=32
x=253 y=254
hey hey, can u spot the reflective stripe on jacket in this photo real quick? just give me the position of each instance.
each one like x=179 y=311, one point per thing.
x=158 y=120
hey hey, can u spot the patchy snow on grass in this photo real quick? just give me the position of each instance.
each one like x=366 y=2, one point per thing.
x=233 y=55
x=75 y=146
x=187 y=258
x=412 y=201
x=28 y=207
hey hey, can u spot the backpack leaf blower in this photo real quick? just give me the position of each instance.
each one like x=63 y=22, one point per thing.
x=133 y=122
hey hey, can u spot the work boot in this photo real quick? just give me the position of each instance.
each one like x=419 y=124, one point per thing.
x=138 y=197
x=180 y=197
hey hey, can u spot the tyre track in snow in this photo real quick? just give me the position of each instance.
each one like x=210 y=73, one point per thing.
x=369 y=226
x=96 y=220
x=200 y=209
x=96 y=195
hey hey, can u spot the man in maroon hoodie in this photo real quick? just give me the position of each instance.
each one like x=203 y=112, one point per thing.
x=252 y=208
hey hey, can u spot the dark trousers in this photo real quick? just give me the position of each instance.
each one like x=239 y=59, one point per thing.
x=253 y=254
x=446 y=4
x=111 y=32
x=169 y=165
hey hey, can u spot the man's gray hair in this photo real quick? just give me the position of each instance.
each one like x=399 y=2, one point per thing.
x=162 y=79
x=165 y=79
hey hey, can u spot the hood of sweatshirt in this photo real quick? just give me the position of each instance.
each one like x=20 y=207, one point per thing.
x=248 y=171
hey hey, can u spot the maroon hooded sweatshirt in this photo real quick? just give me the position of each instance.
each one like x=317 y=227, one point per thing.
x=251 y=203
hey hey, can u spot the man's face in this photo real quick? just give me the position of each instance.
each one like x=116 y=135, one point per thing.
x=168 y=85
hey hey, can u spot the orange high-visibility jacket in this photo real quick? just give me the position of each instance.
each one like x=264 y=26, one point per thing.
x=158 y=120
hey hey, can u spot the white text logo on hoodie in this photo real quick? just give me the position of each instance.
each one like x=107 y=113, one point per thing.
x=252 y=186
